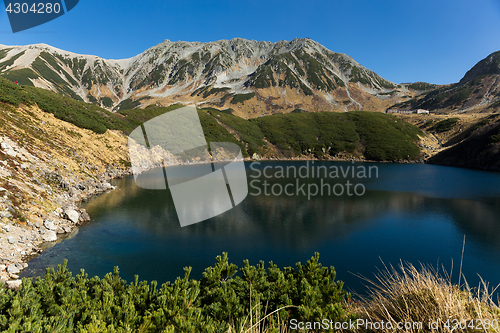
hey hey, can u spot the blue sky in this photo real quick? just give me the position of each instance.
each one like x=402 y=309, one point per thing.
x=434 y=41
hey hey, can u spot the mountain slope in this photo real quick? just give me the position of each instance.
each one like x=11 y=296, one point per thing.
x=250 y=77
x=477 y=91
x=480 y=150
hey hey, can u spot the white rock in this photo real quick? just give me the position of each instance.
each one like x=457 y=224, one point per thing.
x=50 y=225
x=2 y=267
x=11 y=240
x=12 y=269
x=72 y=215
x=5 y=145
x=49 y=236
x=6 y=228
x=11 y=152
x=5 y=214
x=14 y=284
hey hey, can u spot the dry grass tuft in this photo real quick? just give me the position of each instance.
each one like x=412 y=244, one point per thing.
x=411 y=295
x=255 y=322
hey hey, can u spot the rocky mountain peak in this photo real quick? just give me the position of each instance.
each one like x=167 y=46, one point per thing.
x=488 y=66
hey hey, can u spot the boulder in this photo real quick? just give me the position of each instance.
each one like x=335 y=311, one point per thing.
x=11 y=152
x=13 y=269
x=14 y=284
x=5 y=145
x=50 y=225
x=72 y=215
x=11 y=240
x=84 y=216
x=49 y=236
x=6 y=214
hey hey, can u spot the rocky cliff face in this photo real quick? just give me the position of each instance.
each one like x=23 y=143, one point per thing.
x=250 y=77
x=47 y=166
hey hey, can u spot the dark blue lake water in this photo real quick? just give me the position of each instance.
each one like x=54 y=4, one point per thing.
x=415 y=213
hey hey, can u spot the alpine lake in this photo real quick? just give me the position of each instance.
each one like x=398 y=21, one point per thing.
x=360 y=217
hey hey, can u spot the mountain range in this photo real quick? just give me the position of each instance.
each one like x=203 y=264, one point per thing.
x=248 y=77
x=252 y=78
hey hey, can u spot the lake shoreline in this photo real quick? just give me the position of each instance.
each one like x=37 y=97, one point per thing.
x=116 y=172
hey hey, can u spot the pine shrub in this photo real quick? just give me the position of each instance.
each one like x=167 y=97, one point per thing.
x=222 y=300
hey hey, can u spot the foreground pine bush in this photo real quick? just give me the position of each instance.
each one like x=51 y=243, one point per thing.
x=226 y=299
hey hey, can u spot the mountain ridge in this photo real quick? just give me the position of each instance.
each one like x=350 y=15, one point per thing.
x=284 y=75
x=477 y=91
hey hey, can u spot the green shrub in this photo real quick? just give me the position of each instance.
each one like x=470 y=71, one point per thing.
x=421 y=86
x=385 y=137
x=480 y=124
x=128 y=103
x=444 y=125
x=459 y=96
x=249 y=132
x=214 y=91
x=263 y=77
x=240 y=98
x=106 y=101
x=59 y=302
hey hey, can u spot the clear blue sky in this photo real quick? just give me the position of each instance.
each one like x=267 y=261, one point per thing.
x=435 y=41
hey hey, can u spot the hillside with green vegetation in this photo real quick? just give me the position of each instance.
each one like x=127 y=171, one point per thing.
x=370 y=135
x=375 y=136
x=81 y=114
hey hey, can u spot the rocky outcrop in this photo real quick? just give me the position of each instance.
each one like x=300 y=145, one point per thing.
x=47 y=167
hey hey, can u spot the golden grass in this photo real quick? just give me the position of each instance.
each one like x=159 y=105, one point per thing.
x=409 y=295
